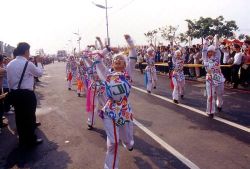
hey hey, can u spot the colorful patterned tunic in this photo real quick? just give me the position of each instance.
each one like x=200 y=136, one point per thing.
x=178 y=73
x=117 y=107
x=214 y=74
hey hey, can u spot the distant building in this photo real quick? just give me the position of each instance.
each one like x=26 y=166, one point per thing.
x=6 y=49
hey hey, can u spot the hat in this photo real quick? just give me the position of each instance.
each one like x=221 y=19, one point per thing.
x=150 y=49
x=211 y=48
x=121 y=55
x=222 y=46
x=176 y=52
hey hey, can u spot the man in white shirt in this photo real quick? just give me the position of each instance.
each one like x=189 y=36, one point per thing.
x=22 y=95
x=236 y=66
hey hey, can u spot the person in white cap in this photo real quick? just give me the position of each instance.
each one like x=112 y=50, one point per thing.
x=214 y=78
x=95 y=99
x=150 y=70
x=117 y=112
x=71 y=71
x=178 y=78
x=81 y=78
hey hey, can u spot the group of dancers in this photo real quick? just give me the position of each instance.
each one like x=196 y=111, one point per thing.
x=105 y=75
x=211 y=56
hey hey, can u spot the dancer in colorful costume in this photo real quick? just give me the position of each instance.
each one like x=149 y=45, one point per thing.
x=95 y=88
x=81 y=78
x=117 y=112
x=214 y=78
x=178 y=78
x=150 y=70
x=71 y=71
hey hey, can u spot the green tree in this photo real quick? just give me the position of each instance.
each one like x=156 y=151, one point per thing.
x=241 y=36
x=151 y=36
x=168 y=33
x=209 y=26
x=183 y=38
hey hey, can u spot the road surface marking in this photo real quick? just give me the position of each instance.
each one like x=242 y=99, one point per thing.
x=169 y=148
x=198 y=111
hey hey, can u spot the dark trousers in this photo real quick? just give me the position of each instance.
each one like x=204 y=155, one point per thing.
x=24 y=102
x=1 y=111
x=6 y=101
x=235 y=75
x=141 y=67
x=226 y=71
x=244 y=75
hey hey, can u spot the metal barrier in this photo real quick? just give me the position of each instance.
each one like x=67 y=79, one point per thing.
x=188 y=65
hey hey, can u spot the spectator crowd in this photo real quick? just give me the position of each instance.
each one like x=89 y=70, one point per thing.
x=235 y=61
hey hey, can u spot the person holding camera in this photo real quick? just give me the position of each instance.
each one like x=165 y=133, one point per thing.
x=20 y=75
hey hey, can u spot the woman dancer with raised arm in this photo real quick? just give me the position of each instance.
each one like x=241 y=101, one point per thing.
x=95 y=90
x=150 y=70
x=178 y=78
x=214 y=78
x=117 y=112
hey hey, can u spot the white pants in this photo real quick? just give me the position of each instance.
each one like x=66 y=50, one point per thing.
x=69 y=83
x=214 y=95
x=80 y=91
x=197 y=69
x=98 y=104
x=114 y=134
x=178 y=88
x=152 y=78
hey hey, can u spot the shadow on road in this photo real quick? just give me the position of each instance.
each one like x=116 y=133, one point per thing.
x=157 y=155
x=43 y=156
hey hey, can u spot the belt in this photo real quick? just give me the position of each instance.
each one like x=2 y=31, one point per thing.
x=13 y=90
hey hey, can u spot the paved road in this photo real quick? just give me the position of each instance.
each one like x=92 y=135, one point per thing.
x=209 y=144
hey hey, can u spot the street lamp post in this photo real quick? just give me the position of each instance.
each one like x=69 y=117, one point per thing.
x=71 y=46
x=107 y=23
x=79 y=40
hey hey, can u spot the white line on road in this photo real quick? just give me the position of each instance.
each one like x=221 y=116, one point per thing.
x=169 y=148
x=238 y=126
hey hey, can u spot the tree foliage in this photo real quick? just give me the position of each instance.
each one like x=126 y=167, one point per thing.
x=151 y=35
x=197 y=29
x=169 y=34
x=209 y=26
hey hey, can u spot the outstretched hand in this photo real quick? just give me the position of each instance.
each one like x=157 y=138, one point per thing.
x=115 y=50
x=3 y=95
x=126 y=36
x=210 y=37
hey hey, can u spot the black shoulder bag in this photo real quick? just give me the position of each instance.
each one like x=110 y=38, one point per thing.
x=21 y=79
x=10 y=96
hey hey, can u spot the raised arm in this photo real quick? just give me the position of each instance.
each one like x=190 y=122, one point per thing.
x=101 y=69
x=217 y=48
x=132 y=56
x=86 y=59
x=100 y=42
x=204 y=50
